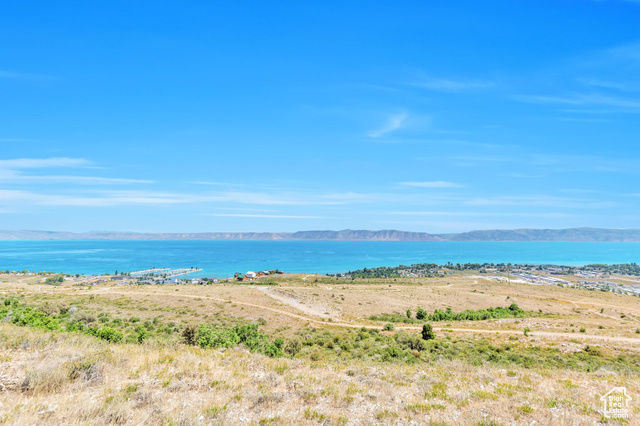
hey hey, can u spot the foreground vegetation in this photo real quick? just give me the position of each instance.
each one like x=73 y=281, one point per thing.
x=233 y=355
x=72 y=376
x=365 y=344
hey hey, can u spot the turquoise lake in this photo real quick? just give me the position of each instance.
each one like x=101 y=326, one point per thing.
x=223 y=258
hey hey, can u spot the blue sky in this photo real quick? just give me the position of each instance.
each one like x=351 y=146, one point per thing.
x=167 y=116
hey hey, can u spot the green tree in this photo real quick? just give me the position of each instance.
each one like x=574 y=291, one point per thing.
x=427 y=332
x=408 y=313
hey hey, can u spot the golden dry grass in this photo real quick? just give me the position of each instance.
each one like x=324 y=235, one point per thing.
x=67 y=378
x=74 y=379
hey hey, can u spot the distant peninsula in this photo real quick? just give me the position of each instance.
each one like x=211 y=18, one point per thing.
x=549 y=235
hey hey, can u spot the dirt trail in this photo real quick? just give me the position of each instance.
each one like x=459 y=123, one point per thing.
x=294 y=303
x=398 y=327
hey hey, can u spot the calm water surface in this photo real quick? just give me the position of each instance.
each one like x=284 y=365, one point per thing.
x=223 y=258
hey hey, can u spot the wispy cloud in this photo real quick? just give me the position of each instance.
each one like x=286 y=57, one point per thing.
x=595 y=82
x=295 y=198
x=209 y=183
x=393 y=123
x=432 y=213
x=80 y=180
x=490 y=214
x=583 y=99
x=137 y=197
x=39 y=163
x=432 y=184
x=605 y=80
x=267 y=216
x=541 y=200
x=452 y=85
x=584 y=120
x=13 y=171
x=16 y=198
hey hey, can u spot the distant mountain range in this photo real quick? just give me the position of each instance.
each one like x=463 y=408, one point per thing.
x=568 y=235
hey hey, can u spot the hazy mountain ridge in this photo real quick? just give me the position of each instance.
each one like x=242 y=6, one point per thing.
x=568 y=235
x=560 y=235
x=364 y=235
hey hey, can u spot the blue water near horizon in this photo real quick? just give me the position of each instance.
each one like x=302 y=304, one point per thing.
x=223 y=258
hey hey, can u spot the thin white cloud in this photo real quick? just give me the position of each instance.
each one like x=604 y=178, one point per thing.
x=136 y=197
x=452 y=85
x=541 y=200
x=261 y=198
x=267 y=216
x=41 y=163
x=594 y=82
x=209 y=183
x=351 y=197
x=432 y=184
x=497 y=214
x=584 y=120
x=12 y=171
x=432 y=213
x=81 y=180
x=582 y=99
x=101 y=199
x=295 y=198
x=393 y=123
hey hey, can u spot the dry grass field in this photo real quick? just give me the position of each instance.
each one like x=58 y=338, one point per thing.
x=578 y=345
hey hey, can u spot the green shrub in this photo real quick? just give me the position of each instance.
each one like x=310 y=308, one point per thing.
x=293 y=346
x=141 y=334
x=411 y=342
x=248 y=335
x=189 y=334
x=54 y=280
x=421 y=314
x=388 y=327
x=106 y=333
x=76 y=326
x=427 y=332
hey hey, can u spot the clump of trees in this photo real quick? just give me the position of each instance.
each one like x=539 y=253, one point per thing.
x=54 y=280
x=513 y=311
